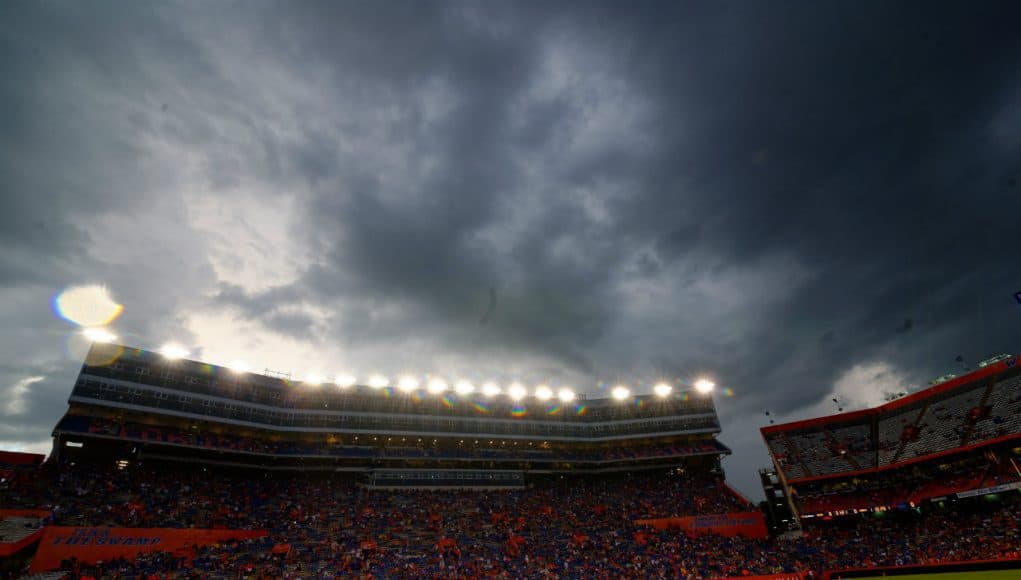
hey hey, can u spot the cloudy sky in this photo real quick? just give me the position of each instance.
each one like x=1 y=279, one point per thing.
x=803 y=201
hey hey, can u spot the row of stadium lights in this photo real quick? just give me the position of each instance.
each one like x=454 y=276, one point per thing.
x=436 y=385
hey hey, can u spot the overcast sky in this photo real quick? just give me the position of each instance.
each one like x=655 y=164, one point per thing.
x=802 y=200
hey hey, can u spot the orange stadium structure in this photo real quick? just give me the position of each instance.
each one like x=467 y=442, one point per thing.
x=959 y=437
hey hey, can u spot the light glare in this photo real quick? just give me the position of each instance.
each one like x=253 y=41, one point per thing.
x=438 y=385
x=490 y=389
x=314 y=379
x=407 y=383
x=378 y=381
x=565 y=395
x=464 y=388
x=173 y=350
x=238 y=366
x=620 y=392
x=662 y=389
x=99 y=335
x=543 y=393
x=344 y=381
x=704 y=386
x=516 y=391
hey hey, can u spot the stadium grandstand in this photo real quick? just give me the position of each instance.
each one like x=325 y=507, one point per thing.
x=960 y=436
x=168 y=468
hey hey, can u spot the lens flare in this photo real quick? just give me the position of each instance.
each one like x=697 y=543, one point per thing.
x=480 y=407
x=728 y=392
x=447 y=401
x=87 y=306
x=580 y=410
x=518 y=411
x=554 y=409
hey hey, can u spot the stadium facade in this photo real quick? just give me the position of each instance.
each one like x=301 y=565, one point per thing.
x=955 y=439
x=131 y=404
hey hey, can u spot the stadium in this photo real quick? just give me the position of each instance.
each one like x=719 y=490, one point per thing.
x=170 y=468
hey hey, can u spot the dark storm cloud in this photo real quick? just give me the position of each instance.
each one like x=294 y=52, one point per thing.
x=774 y=194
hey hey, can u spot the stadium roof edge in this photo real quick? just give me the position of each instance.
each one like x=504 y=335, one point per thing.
x=976 y=375
x=583 y=397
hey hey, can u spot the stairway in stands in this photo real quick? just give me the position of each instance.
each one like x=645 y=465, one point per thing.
x=916 y=423
x=971 y=424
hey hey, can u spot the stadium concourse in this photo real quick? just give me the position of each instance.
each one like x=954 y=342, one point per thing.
x=166 y=468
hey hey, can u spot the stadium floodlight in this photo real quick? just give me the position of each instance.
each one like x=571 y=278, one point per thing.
x=516 y=391
x=344 y=380
x=620 y=392
x=566 y=395
x=490 y=389
x=704 y=386
x=407 y=383
x=437 y=386
x=464 y=387
x=98 y=334
x=378 y=381
x=313 y=379
x=238 y=366
x=662 y=389
x=543 y=393
x=173 y=350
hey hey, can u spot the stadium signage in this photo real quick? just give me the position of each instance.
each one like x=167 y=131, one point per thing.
x=101 y=544
x=988 y=490
x=102 y=537
x=747 y=524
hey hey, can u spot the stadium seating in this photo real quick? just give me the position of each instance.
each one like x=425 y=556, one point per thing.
x=933 y=422
x=327 y=526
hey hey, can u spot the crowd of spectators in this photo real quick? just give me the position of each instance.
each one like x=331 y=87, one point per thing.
x=326 y=526
x=903 y=487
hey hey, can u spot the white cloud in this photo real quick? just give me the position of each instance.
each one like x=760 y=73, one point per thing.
x=17 y=393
